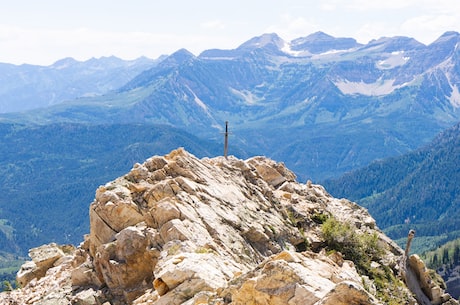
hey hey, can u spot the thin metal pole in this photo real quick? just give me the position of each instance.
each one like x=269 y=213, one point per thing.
x=226 y=140
x=410 y=236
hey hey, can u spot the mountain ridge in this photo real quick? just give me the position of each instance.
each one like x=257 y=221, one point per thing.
x=320 y=42
x=181 y=230
x=25 y=87
x=322 y=114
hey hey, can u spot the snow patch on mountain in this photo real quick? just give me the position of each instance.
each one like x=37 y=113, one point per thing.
x=378 y=88
x=454 y=98
x=247 y=96
x=396 y=59
x=288 y=50
x=198 y=101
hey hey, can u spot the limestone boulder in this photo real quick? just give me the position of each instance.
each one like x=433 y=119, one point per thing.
x=435 y=294
x=126 y=264
x=295 y=278
x=112 y=211
x=188 y=274
x=43 y=258
x=346 y=293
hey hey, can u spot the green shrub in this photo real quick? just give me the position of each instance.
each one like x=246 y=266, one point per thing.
x=361 y=248
x=319 y=218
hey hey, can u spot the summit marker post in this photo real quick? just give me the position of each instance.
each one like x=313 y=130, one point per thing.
x=226 y=140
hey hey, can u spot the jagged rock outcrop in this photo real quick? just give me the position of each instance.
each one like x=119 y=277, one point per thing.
x=180 y=230
x=43 y=258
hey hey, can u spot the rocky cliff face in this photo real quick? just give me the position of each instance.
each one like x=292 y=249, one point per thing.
x=180 y=230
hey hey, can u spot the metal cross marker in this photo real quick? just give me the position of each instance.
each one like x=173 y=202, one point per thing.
x=226 y=140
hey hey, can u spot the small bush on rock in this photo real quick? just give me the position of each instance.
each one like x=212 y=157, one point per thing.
x=361 y=248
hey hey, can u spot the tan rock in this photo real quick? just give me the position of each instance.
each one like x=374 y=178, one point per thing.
x=160 y=286
x=348 y=293
x=174 y=230
x=139 y=172
x=28 y=272
x=200 y=271
x=434 y=293
x=180 y=230
x=119 y=212
x=155 y=163
x=83 y=273
x=86 y=297
x=126 y=264
x=269 y=174
x=43 y=258
x=148 y=298
x=164 y=211
x=290 y=278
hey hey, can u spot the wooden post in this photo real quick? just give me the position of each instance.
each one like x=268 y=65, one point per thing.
x=226 y=140
x=410 y=236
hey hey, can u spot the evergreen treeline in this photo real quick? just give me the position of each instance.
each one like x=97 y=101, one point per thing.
x=9 y=265
x=446 y=261
x=418 y=190
x=446 y=255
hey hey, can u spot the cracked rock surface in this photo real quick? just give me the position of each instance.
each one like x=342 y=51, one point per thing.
x=182 y=230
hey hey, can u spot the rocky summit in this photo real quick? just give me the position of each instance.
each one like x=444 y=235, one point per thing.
x=182 y=230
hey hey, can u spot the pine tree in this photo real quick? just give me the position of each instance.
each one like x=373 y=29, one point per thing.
x=456 y=257
x=434 y=260
x=445 y=255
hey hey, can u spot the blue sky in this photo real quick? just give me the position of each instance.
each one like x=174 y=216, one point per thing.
x=42 y=32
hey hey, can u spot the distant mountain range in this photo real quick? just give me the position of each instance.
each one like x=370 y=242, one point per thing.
x=27 y=87
x=323 y=105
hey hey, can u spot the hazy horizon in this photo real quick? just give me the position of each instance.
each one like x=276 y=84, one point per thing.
x=46 y=31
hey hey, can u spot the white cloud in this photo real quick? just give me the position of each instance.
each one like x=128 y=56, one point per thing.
x=213 y=24
x=434 y=6
x=329 y=5
x=424 y=20
x=44 y=46
x=440 y=6
x=366 y=5
x=375 y=30
x=430 y=27
x=50 y=32
x=290 y=27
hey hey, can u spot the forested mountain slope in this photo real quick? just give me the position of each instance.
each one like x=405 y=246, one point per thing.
x=48 y=174
x=418 y=190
